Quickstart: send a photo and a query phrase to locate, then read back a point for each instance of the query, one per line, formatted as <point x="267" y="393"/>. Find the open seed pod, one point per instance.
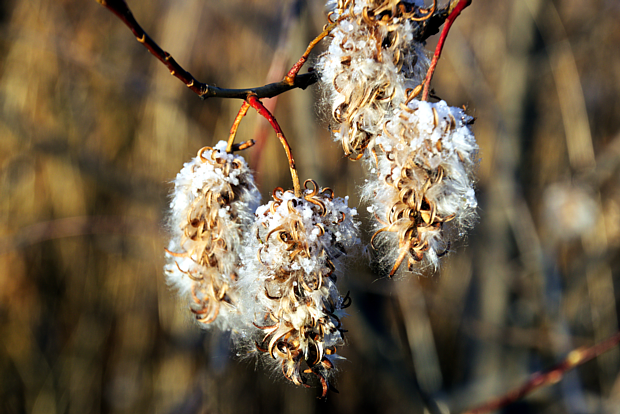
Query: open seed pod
<point x="371" y="63"/>
<point x="291" y="268"/>
<point x="421" y="184"/>
<point x="212" y="207"/>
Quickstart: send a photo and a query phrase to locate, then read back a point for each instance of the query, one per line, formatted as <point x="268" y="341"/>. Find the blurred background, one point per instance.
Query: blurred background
<point x="93" y="129"/>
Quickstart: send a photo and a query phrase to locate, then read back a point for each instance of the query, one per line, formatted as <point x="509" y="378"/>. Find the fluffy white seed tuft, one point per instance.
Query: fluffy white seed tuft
<point x="370" y="65"/>
<point x="291" y="268"/>
<point x="211" y="209"/>
<point x="422" y="191"/>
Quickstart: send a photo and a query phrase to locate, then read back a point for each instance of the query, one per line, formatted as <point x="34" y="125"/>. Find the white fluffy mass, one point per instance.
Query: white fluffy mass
<point x="423" y="181"/>
<point x="211" y="210"/>
<point x="366" y="72"/>
<point x="291" y="267"/>
<point x="420" y="155"/>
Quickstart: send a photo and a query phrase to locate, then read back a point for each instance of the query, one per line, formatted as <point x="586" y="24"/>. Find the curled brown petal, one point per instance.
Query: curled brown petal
<point x="205" y="319"/>
<point x="372" y="239"/>
<point x="327" y="193"/>
<point x="277" y="229"/>
<point x="319" y="203"/>
<point x="186" y="254"/>
<point x="315" y="188"/>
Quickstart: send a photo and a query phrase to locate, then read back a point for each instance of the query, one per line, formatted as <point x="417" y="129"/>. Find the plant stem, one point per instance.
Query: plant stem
<point x="122" y="11"/>
<point x="233" y="130"/>
<point x="260" y="108"/>
<point x="460" y="6"/>
<point x="291" y="81"/>
<point x="540" y="379"/>
<point x="292" y="74"/>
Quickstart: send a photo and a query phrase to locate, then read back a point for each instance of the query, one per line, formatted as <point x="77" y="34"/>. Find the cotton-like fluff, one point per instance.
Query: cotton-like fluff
<point x="290" y="274"/>
<point x="211" y="210"/>
<point x="422" y="188"/>
<point x="371" y="64"/>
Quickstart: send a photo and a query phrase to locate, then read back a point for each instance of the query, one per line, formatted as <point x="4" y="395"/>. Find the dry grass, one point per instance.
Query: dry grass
<point x="93" y="128"/>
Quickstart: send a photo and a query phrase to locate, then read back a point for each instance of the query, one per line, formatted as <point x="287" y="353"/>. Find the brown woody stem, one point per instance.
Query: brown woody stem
<point x="260" y="108"/>
<point x="122" y="11"/>
<point x="292" y="80"/>
<point x="552" y="376"/>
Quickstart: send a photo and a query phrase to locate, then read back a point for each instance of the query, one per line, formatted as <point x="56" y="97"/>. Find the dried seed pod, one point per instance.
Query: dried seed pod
<point x="423" y="186"/>
<point x="290" y="274"/>
<point x="369" y="66"/>
<point x="212" y="207"/>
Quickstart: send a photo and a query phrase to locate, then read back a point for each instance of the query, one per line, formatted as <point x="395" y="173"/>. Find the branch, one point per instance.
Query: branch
<point x="426" y="29"/>
<point x="430" y="27"/>
<point x="233" y="130"/>
<point x="292" y="74"/>
<point x="552" y="376"/>
<point x="260" y="108"/>
<point x="459" y="6"/>
<point x="122" y="11"/>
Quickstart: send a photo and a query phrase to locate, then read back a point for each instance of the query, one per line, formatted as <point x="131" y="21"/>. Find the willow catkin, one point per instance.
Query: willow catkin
<point x="368" y="68"/>
<point x="422" y="186"/>
<point x="290" y="274"/>
<point x="212" y="207"/>
<point x="420" y="155"/>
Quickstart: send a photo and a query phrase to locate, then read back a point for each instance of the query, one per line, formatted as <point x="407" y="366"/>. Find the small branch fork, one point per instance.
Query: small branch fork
<point x="260" y="108"/>
<point x="551" y="376"/>
<point x="291" y="81"/>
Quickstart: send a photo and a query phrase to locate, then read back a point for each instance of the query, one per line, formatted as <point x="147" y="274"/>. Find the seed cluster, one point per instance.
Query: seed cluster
<point x="276" y="292"/>
<point x="422" y="186"/>
<point x="299" y="246"/>
<point x="212" y="207"/>
<point x="370" y="65"/>
<point x="268" y="273"/>
<point x="420" y="156"/>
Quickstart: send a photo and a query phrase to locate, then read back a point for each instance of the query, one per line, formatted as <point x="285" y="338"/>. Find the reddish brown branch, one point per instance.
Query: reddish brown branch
<point x="291" y="81"/>
<point x="260" y="108"/>
<point x="551" y="376"/>
<point x="122" y="11"/>
<point x="460" y="6"/>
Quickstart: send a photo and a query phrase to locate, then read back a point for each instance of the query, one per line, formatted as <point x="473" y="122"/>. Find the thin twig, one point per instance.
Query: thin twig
<point x="292" y="74"/>
<point x="552" y="376"/>
<point x="233" y="129"/>
<point x="291" y="81"/>
<point x="277" y="71"/>
<point x="260" y="108"/>
<point x="122" y="11"/>
<point x="242" y="145"/>
<point x="460" y="6"/>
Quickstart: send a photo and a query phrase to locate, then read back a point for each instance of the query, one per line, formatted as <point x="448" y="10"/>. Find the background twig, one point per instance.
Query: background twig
<point x="551" y="376"/>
